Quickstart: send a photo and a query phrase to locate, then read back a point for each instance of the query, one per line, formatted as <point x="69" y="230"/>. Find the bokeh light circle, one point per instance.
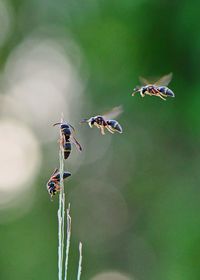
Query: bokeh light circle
<point x="111" y="276"/>
<point x="20" y="159"/>
<point x="40" y="83"/>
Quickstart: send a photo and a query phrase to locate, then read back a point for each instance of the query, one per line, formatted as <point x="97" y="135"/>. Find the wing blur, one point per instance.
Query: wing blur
<point x="144" y="81"/>
<point x="164" y="81"/>
<point x="114" y="113"/>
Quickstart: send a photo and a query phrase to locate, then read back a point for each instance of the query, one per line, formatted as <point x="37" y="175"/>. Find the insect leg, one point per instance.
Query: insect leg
<point x="102" y="130"/>
<point x="57" y="188"/>
<point x="109" y="129"/>
<point x="96" y="124"/>
<point x="159" y="95"/>
<point x="142" y="94"/>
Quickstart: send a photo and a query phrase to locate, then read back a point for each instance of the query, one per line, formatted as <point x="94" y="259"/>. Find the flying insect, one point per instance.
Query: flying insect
<point x="67" y="132"/>
<point x="159" y="88"/>
<point x="106" y="121"/>
<point x="53" y="185"/>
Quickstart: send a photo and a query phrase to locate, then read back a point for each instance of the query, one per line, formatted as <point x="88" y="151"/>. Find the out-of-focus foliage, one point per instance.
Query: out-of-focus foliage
<point x="134" y="197"/>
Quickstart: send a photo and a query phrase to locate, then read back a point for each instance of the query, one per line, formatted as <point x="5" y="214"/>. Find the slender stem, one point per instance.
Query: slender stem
<point x="63" y="229"/>
<point x="80" y="262"/>
<point x="68" y="240"/>
<point x="61" y="216"/>
<point x="59" y="242"/>
<point x="61" y="226"/>
<point x="61" y="219"/>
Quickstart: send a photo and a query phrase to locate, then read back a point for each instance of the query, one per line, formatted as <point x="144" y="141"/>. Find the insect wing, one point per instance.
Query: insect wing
<point x="164" y="81"/>
<point x="66" y="174"/>
<point x="114" y="113"/>
<point x="144" y="81"/>
<point x="54" y="172"/>
<point x="76" y="143"/>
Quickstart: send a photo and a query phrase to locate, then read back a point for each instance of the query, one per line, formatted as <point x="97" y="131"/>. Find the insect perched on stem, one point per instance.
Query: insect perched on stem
<point x="67" y="132"/>
<point x="53" y="185"/>
<point x="159" y="88"/>
<point x="106" y="121"/>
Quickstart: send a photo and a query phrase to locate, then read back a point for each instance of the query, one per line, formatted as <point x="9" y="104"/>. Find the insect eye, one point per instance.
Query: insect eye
<point x="51" y="184"/>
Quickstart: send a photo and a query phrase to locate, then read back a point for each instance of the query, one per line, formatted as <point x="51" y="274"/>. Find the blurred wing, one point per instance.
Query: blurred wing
<point x="77" y="144"/>
<point x="164" y="81"/>
<point x="114" y="113"/>
<point x="54" y="172"/>
<point x="143" y="81"/>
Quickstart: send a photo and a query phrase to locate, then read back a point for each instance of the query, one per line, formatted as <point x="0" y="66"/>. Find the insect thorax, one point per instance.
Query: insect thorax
<point x="99" y="120"/>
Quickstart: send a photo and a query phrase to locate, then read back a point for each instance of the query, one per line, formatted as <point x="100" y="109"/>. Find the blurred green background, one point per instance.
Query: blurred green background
<point x="134" y="197"/>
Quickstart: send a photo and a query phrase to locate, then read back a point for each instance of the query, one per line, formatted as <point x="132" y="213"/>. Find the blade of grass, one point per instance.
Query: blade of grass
<point x="80" y="262"/>
<point x="67" y="241"/>
<point x="61" y="218"/>
<point x="61" y="226"/>
<point x="61" y="214"/>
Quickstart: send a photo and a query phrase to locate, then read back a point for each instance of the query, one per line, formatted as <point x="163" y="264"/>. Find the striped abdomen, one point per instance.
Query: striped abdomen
<point x="67" y="148"/>
<point x="115" y="125"/>
<point x="166" y="91"/>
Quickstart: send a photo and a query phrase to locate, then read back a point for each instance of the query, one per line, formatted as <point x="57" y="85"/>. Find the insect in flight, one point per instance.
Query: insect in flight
<point x="53" y="185"/>
<point x="159" y="88"/>
<point x="106" y="121"/>
<point x="67" y="132"/>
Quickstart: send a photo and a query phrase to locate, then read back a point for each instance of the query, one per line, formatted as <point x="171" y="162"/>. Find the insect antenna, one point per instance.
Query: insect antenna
<point x="57" y="123"/>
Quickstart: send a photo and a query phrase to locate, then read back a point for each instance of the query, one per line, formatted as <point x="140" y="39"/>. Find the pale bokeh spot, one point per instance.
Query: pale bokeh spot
<point x="111" y="276"/>
<point x="41" y="82"/>
<point x="20" y="159"/>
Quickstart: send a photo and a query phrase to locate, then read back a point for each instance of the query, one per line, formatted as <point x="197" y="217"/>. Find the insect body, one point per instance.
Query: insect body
<point x="53" y="185"/>
<point x="106" y="121"/>
<point x="158" y="88"/>
<point x="67" y="137"/>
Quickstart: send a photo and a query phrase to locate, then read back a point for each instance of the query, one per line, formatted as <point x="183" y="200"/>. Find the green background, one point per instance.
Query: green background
<point x="134" y="197"/>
